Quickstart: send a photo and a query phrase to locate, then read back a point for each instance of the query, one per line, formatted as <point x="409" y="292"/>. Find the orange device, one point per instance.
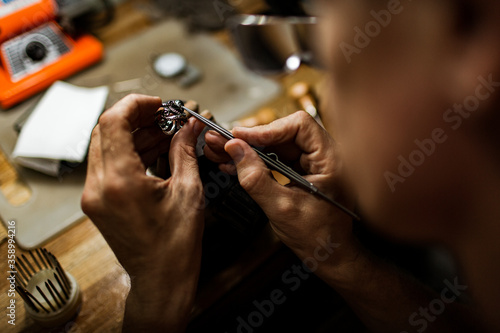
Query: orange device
<point x="35" y="51"/>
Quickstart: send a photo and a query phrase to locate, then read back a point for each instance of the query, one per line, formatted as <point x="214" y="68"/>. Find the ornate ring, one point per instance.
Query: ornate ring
<point x="171" y="117"/>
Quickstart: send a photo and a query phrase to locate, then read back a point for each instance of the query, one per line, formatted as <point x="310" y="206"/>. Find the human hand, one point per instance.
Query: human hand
<point x="154" y="226"/>
<point x="301" y="220"/>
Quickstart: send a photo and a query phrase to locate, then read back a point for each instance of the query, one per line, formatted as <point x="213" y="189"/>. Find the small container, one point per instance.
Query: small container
<point x="51" y="296"/>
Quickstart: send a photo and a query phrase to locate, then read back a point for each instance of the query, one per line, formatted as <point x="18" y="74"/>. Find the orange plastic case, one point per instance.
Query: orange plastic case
<point x="17" y="16"/>
<point x="78" y="53"/>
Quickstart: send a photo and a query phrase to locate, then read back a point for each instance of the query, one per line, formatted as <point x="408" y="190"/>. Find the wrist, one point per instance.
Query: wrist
<point x="345" y="268"/>
<point x="157" y="304"/>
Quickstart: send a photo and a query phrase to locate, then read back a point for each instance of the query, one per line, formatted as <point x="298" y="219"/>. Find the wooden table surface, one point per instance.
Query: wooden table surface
<point x="84" y="253"/>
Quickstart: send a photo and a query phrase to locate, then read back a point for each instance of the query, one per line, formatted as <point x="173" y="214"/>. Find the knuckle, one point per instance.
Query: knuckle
<point x="107" y="118"/>
<point x="302" y="116"/>
<point x="284" y="208"/>
<point x="131" y="99"/>
<point x="188" y="185"/>
<point x="194" y="187"/>
<point x="190" y="190"/>
<point x="90" y="203"/>
<point x="113" y="191"/>
<point x="253" y="180"/>
<point x="268" y="135"/>
<point x="95" y="133"/>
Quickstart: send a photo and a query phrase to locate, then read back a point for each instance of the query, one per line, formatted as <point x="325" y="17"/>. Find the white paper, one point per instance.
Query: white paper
<point x="60" y="126"/>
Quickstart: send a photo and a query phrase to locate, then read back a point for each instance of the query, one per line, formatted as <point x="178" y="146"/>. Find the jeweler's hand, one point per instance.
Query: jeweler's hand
<point x="301" y="220"/>
<point x="154" y="226"/>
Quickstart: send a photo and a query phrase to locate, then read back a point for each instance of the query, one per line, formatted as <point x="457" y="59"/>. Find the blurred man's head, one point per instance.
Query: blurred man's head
<point x="414" y="98"/>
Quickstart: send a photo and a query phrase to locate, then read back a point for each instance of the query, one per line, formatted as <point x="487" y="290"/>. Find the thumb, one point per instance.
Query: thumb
<point x="253" y="175"/>
<point x="182" y="157"/>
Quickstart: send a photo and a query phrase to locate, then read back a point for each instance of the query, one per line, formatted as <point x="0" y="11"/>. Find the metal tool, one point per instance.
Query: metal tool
<point x="51" y="295"/>
<point x="270" y="159"/>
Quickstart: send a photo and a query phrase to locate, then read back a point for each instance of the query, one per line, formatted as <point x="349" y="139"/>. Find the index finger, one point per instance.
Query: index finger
<point x="299" y="130"/>
<point x="116" y="126"/>
<point x="138" y="110"/>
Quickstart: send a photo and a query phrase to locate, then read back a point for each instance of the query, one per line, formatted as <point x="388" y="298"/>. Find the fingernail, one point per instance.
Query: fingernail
<point x="237" y="129"/>
<point x="235" y="151"/>
<point x="213" y="133"/>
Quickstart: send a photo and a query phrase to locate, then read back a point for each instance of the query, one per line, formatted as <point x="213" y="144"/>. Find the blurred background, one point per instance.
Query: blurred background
<point x="248" y="62"/>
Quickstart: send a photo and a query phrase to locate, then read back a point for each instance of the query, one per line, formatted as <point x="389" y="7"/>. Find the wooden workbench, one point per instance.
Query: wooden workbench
<point x="84" y="253"/>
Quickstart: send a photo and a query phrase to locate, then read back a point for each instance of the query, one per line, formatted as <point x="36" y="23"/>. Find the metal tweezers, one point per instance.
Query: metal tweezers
<point x="272" y="162"/>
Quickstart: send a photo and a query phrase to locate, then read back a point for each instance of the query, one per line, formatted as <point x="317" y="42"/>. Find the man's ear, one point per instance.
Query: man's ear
<point x="476" y="51"/>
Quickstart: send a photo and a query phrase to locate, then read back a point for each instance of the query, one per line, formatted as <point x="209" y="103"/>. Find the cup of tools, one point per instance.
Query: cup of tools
<point x="51" y="296"/>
